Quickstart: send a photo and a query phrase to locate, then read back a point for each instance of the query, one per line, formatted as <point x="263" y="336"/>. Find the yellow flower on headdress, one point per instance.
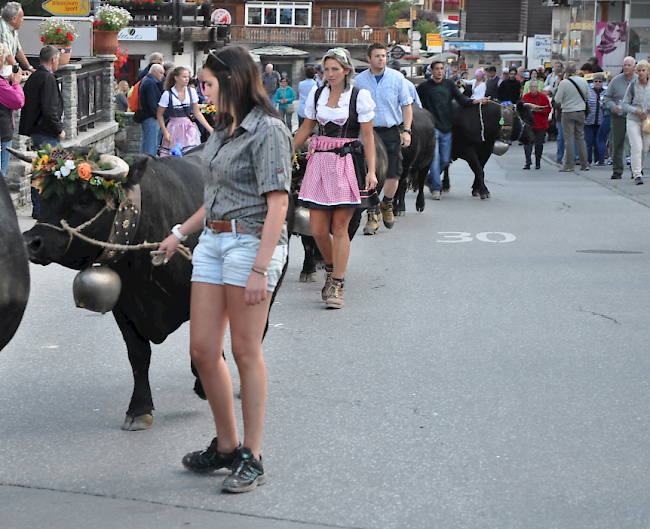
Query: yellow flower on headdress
<point x="44" y="160"/>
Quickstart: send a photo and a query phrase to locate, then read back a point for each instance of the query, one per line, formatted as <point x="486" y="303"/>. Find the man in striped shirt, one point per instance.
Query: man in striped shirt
<point x="12" y="19"/>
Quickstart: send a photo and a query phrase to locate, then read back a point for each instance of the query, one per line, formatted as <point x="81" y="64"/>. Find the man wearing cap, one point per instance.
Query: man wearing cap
<point x="613" y="97"/>
<point x="594" y="120"/>
<point x="571" y="95"/>
<point x="319" y="76"/>
<point x="390" y="93"/>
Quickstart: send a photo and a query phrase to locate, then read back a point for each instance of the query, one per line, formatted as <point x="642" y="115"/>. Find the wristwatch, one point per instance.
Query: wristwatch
<point x="177" y="232"/>
<point x="408" y="130"/>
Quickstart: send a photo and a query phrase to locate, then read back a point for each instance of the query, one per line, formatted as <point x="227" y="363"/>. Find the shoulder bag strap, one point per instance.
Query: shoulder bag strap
<point x="577" y="88"/>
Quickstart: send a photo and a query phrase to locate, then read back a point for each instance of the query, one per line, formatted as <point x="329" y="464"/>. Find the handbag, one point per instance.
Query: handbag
<point x="140" y="115"/>
<point x="289" y="108"/>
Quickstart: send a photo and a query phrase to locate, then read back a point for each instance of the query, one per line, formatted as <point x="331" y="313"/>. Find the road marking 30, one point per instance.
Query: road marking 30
<point x="486" y="236"/>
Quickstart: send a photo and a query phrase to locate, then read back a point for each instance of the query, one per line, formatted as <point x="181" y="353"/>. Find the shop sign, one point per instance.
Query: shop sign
<point x="475" y="46"/>
<point x="434" y="43"/>
<point x="138" y="34"/>
<point x="70" y="8"/>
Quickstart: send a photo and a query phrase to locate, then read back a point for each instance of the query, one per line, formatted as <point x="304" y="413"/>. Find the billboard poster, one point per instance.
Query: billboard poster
<point x="610" y="45"/>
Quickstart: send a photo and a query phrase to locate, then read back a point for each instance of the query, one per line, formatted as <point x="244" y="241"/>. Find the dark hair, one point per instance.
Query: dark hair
<point x="240" y="86"/>
<point x="47" y="54"/>
<point x="171" y="78"/>
<point x="310" y="72"/>
<point x="433" y="63"/>
<point x="284" y="78"/>
<point x="375" y="46"/>
<point x="491" y="69"/>
<point x="587" y="67"/>
<point x="512" y="70"/>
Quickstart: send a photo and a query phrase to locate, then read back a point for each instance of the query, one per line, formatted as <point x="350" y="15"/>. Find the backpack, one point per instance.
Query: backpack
<point x="134" y="97"/>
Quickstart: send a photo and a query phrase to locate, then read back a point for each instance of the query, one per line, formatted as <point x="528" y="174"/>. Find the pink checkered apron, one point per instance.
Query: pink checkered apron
<point x="330" y="179"/>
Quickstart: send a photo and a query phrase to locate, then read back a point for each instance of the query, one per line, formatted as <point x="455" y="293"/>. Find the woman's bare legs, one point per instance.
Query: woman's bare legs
<point x="334" y="247"/>
<point x="208" y="321"/>
<point x="247" y="329"/>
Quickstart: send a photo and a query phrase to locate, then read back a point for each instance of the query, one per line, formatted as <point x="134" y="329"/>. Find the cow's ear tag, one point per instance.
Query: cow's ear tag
<point x="501" y="122"/>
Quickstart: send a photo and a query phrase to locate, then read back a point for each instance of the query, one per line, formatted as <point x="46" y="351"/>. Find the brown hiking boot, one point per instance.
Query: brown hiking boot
<point x="328" y="285"/>
<point x="387" y="214"/>
<point x="335" y="298"/>
<point x="372" y="226"/>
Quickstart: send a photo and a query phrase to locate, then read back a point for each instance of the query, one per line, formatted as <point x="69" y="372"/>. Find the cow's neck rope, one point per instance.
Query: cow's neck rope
<point x="480" y="112"/>
<point x="76" y="232"/>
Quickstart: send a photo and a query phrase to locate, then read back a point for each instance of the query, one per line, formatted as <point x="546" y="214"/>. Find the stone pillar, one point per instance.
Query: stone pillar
<point x="68" y="77"/>
<point x="108" y="80"/>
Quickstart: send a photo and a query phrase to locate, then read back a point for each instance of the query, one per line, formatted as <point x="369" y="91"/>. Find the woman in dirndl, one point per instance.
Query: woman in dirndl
<point x="336" y="181"/>
<point x="181" y="101"/>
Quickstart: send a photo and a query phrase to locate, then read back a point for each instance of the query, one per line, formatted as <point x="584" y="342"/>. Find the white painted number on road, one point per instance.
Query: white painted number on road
<point x="486" y="236"/>
<point x="459" y="236"/>
<point x="507" y="237"/>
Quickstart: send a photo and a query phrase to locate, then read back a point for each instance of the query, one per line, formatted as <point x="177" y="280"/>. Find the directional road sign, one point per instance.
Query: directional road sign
<point x="70" y="8"/>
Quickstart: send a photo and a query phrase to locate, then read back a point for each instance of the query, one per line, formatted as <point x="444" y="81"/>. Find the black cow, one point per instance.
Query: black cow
<point x="154" y="300"/>
<point x="14" y="269"/>
<point x="313" y="258"/>
<point x="469" y="130"/>
<point x="416" y="158"/>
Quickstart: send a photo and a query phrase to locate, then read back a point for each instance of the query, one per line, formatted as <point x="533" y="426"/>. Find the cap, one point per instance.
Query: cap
<point x="319" y="68"/>
<point x="593" y="59"/>
<point x="599" y="77"/>
<point x="478" y="72"/>
<point x="394" y="64"/>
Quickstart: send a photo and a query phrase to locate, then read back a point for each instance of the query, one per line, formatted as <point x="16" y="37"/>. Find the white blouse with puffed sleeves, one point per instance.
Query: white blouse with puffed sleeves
<point x="339" y="115"/>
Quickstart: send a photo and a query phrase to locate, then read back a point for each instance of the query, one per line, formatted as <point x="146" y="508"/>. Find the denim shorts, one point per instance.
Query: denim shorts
<point x="227" y="258"/>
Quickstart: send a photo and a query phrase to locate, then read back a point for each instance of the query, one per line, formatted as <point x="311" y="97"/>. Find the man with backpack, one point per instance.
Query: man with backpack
<point x="150" y="91"/>
<point x="572" y="95"/>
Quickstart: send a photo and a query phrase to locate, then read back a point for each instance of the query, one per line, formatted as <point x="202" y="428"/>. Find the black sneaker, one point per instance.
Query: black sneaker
<point x="247" y="473"/>
<point x="210" y="459"/>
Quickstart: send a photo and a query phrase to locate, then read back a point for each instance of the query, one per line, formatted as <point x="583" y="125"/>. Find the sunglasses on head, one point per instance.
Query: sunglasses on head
<point x="340" y="53"/>
<point x="214" y="54"/>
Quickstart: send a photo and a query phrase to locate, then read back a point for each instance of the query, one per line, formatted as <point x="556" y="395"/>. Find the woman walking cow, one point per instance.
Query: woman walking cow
<point x="335" y="181"/>
<point x="239" y="258"/>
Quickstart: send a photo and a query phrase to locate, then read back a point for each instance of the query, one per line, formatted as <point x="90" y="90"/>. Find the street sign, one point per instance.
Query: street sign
<point x="434" y="43"/>
<point x="402" y="24"/>
<point x="70" y="8"/>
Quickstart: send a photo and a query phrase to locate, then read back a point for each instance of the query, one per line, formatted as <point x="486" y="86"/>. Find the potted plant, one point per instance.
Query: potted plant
<point x="109" y="20"/>
<point x="59" y="33"/>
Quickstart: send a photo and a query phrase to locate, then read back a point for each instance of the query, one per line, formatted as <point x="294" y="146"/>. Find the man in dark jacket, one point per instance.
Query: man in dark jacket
<point x="155" y="58"/>
<point x="492" y="83"/>
<point x="510" y="89"/>
<point x="40" y="118"/>
<point x="150" y="91"/>
<point x="437" y="95"/>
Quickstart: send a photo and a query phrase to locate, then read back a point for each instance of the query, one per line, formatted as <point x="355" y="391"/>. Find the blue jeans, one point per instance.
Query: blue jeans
<point x="4" y="157"/>
<point x="37" y="141"/>
<point x="441" y="157"/>
<point x="591" y="135"/>
<point x="602" y="137"/>
<point x="151" y="136"/>
<point x="560" y="143"/>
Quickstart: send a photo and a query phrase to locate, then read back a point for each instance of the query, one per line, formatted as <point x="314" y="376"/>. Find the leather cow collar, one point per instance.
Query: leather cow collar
<point x="124" y="225"/>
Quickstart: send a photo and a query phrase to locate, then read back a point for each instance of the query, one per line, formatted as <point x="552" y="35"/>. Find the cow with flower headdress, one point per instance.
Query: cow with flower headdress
<point x="98" y="214"/>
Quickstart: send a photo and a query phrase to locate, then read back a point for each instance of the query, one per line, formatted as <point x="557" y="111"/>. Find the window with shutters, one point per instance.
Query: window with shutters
<point x="339" y="18"/>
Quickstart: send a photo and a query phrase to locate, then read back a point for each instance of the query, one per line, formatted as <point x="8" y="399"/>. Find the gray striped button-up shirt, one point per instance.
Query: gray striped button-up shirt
<point x="240" y="169"/>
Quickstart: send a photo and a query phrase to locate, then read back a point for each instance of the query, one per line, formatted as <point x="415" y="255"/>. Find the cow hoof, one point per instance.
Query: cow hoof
<point x="308" y="277"/>
<point x="474" y="193"/>
<point x="488" y="195"/>
<point x="419" y="203"/>
<point x="400" y="213"/>
<point x="141" y="422"/>
<point x="369" y="230"/>
<point x="484" y="196"/>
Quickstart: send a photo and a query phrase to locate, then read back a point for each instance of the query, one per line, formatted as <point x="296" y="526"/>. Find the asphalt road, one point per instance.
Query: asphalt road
<point x="490" y="369"/>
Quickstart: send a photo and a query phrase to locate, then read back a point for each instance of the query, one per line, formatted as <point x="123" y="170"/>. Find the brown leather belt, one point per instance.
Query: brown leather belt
<point x="221" y="226"/>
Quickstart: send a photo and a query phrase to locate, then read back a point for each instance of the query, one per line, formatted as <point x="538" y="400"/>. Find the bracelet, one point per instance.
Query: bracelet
<point x="260" y="267"/>
<point x="177" y="232"/>
<point x="265" y="274"/>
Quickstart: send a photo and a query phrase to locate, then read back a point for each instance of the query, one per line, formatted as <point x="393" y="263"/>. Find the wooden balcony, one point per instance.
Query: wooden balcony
<point x="177" y="14"/>
<point x="313" y="36"/>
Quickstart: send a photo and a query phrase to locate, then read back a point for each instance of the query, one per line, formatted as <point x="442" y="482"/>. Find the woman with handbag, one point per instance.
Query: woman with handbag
<point x="336" y="181"/>
<point x="182" y="102"/>
<point x="284" y="98"/>
<point x="636" y="104"/>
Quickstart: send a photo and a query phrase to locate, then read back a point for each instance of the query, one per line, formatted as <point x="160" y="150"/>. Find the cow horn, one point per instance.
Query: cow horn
<point x="25" y="157"/>
<point x="118" y="167"/>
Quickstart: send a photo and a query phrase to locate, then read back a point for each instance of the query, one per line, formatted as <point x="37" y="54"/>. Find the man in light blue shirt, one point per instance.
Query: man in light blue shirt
<point x="395" y="65"/>
<point x="390" y="93"/>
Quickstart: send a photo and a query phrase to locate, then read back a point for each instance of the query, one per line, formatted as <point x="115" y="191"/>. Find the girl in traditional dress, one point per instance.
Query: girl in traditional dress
<point x="336" y="181"/>
<point x="181" y="101"/>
